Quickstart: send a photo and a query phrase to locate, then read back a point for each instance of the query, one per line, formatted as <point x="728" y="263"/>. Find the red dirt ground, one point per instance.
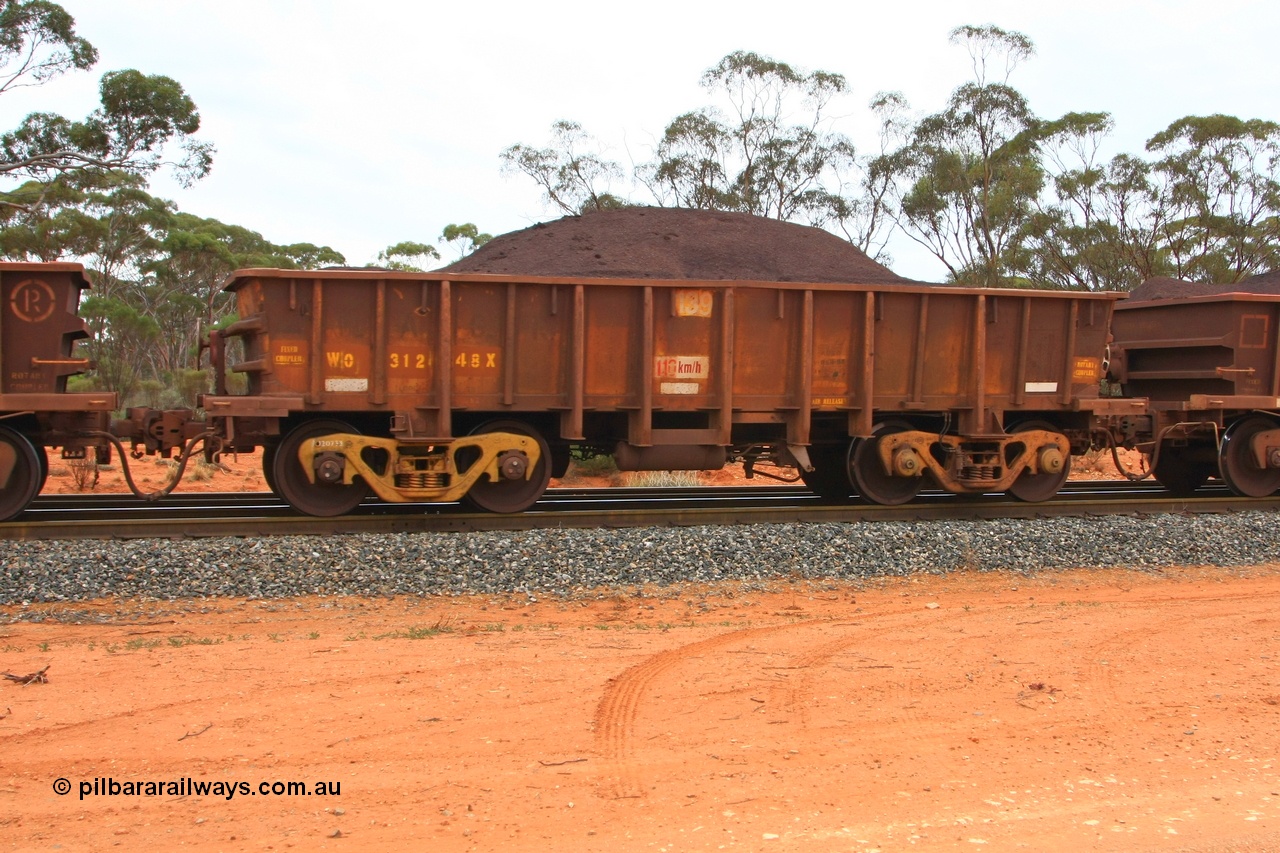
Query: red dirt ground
<point x="1065" y="711"/>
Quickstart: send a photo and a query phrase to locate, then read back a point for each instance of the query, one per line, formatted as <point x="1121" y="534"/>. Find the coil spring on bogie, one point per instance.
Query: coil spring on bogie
<point x="978" y="473"/>
<point x="421" y="480"/>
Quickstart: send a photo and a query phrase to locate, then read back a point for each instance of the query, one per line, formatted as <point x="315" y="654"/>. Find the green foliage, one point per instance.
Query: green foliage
<point x="151" y="390"/>
<point x="185" y="275"/>
<point x="159" y="275"/>
<point x="969" y="175"/>
<point x="188" y="384"/>
<point x="1079" y="237"/>
<point x="774" y="155"/>
<point x="571" y="179"/>
<point x="464" y="238"/>
<point x="988" y="43"/>
<point x="119" y="331"/>
<point x="1207" y="208"/>
<point x="40" y="38"/>
<point x="1001" y="196"/>
<point x="111" y="223"/>
<point x="306" y="256"/>
<point x="138" y="116"/>
<point x="766" y="148"/>
<point x="1220" y="190"/>
<point x="83" y="382"/>
<point x="408" y="256"/>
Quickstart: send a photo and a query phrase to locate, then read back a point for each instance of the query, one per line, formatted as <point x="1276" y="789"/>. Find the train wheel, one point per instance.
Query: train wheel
<point x="18" y="456"/>
<point x="1178" y="474"/>
<point x="43" y="456"/>
<point x="516" y="494"/>
<point x="868" y="474"/>
<point x="268" y="467"/>
<point x="290" y="481"/>
<point x="1236" y="463"/>
<point x="1034" y="488"/>
<point x="830" y="475"/>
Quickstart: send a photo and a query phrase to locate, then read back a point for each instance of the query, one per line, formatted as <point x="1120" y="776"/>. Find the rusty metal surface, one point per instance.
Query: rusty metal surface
<point x="669" y="362"/>
<point x="39" y="326"/>
<point x="97" y="401"/>
<point x="1200" y="353"/>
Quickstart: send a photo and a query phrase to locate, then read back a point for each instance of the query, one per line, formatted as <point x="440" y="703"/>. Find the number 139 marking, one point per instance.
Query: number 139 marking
<point x="694" y="303"/>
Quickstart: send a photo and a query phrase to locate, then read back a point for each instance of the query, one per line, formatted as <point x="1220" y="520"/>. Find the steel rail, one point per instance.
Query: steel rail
<point x="262" y="514"/>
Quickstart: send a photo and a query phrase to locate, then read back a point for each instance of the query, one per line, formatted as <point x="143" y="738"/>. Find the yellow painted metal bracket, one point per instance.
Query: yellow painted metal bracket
<point x="435" y="464"/>
<point x="909" y="454"/>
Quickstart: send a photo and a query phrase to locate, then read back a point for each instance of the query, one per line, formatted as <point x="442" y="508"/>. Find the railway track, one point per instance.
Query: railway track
<point x="263" y="514"/>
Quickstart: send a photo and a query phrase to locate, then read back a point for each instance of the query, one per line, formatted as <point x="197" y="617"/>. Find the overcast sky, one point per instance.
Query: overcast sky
<point x="359" y="125"/>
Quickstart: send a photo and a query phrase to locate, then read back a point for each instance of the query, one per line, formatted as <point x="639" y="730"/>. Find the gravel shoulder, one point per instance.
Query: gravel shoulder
<point x="573" y="563"/>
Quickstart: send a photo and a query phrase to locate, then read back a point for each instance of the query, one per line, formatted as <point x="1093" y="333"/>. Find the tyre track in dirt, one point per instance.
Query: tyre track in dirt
<point x="1126" y="647"/>
<point x="615" y="716"/>
<point x="813" y="662"/>
<point x="619" y="706"/>
<point x="624" y="696"/>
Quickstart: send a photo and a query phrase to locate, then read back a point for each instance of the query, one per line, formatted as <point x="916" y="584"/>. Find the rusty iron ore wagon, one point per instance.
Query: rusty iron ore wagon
<point x="38" y="329"/>
<point x="1210" y="366"/>
<point x="441" y="386"/>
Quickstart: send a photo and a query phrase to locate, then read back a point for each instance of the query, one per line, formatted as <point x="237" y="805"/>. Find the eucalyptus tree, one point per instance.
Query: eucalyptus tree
<point x="128" y="226"/>
<point x="409" y="256"/>
<point x="121" y="335"/>
<point x="53" y="228"/>
<point x="1075" y="236"/>
<point x="771" y="151"/>
<point x="968" y="176"/>
<point x="464" y="238"/>
<point x="114" y="228"/>
<point x="766" y="146"/>
<point x="1204" y="205"/>
<point x="1219" y="178"/>
<point x="138" y="117"/>
<point x="183" y="288"/>
<point x="573" y="177"/>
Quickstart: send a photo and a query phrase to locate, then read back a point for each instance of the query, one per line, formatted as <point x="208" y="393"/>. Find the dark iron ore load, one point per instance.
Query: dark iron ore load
<point x="677" y="243"/>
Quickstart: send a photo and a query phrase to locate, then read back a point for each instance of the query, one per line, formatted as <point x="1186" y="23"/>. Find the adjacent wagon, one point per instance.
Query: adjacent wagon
<point x="1210" y="366"/>
<point x="38" y="330"/>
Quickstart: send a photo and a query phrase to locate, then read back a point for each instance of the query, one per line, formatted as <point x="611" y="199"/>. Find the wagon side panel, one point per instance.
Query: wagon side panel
<point x="839" y="361"/>
<point x="771" y="334"/>
<point x="1220" y="347"/>
<point x="690" y="360"/>
<point x="39" y="327"/>
<point x="614" y="345"/>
